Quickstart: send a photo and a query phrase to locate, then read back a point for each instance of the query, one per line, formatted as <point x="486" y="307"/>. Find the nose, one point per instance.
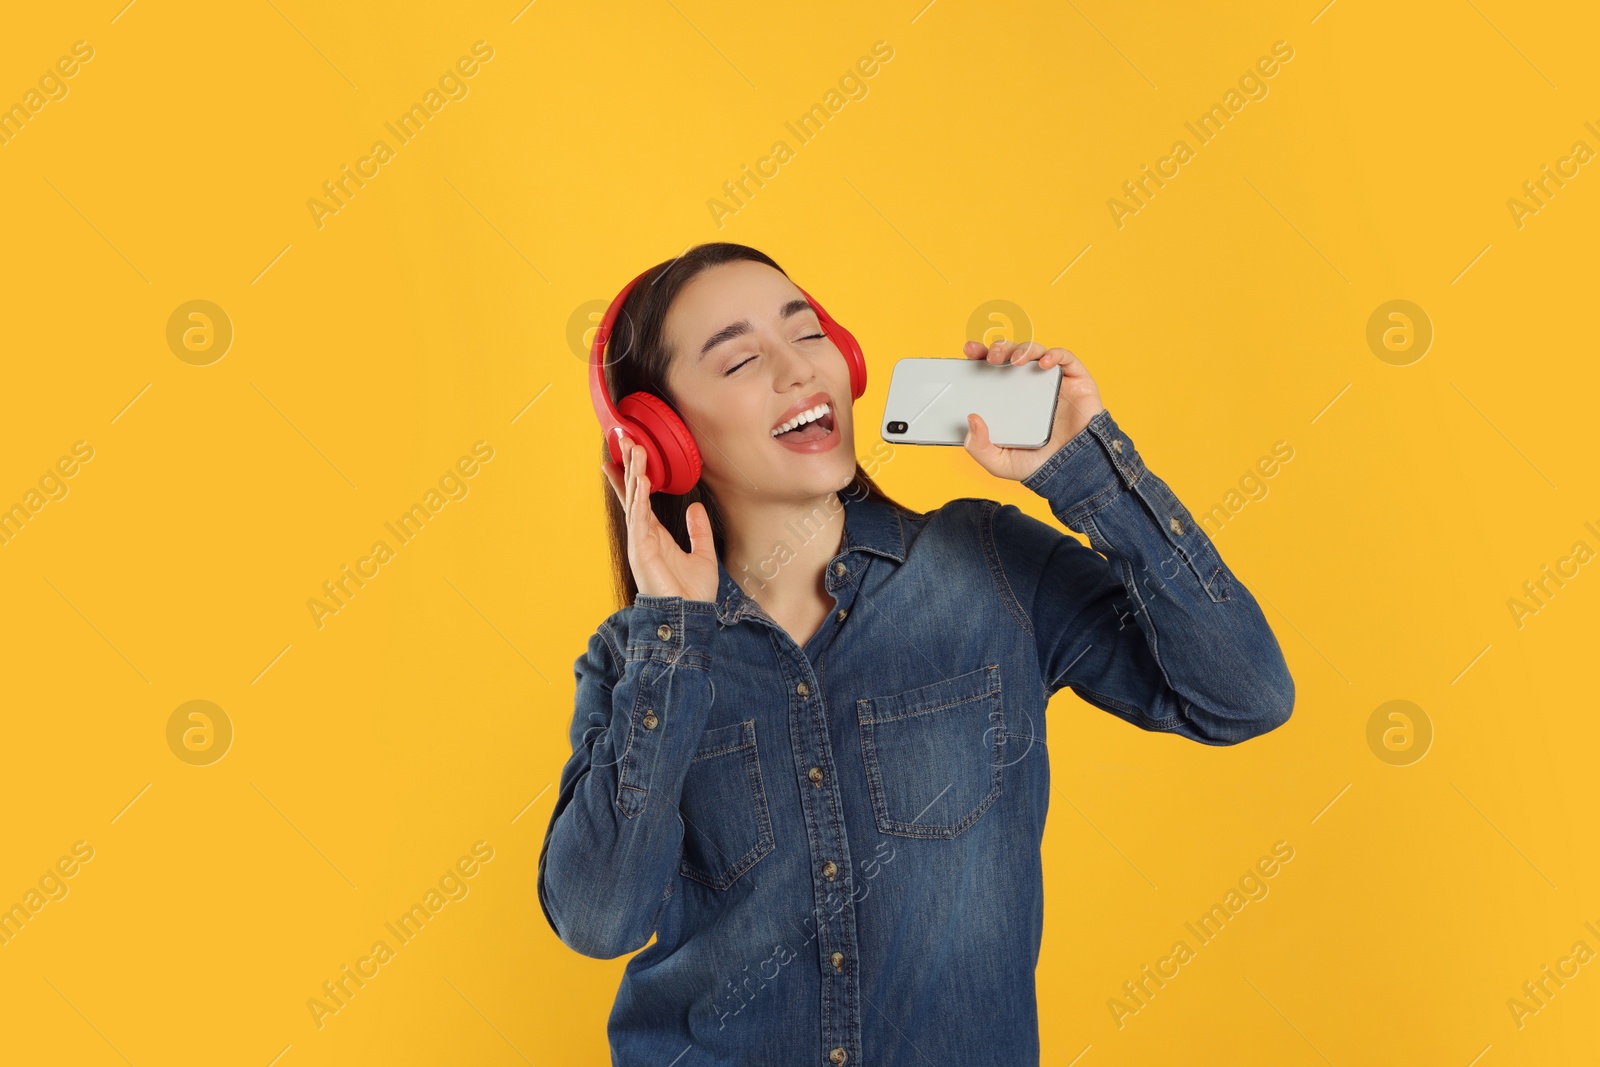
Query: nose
<point x="792" y="367"/>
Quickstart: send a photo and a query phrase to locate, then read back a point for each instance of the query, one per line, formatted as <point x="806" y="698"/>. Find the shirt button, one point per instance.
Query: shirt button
<point x="842" y="612"/>
<point x="836" y="1056"/>
<point x="814" y="774"/>
<point x="803" y="689"/>
<point x="1177" y="527"/>
<point x="837" y="959"/>
<point x="839" y="568"/>
<point x="650" y="720"/>
<point x="664" y="632"/>
<point x="830" y="869"/>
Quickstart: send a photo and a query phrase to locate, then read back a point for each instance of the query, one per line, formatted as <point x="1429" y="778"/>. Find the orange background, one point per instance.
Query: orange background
<point x="444" y="304"/>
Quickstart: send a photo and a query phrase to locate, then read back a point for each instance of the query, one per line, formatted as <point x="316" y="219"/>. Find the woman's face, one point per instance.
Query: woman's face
<point x="748" y="353"/>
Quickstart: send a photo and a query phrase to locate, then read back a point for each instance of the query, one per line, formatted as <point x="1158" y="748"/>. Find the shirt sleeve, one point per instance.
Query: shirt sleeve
<point x="1149" y="623"/>
<point x="612" y="849"/>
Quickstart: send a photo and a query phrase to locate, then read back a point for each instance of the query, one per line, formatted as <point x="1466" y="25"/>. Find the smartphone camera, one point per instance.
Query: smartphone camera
<point x="897" y="427"/>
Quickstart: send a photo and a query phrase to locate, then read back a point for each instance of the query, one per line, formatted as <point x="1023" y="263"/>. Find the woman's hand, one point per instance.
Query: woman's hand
<point x="660" y="567"/>
<point x="1079" y="402"/>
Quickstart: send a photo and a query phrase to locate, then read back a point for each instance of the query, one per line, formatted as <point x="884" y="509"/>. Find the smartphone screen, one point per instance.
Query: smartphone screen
<point x="929" y="400"/>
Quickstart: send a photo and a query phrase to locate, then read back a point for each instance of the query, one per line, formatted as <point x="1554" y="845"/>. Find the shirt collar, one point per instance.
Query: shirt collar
<point x="870" y="525"/>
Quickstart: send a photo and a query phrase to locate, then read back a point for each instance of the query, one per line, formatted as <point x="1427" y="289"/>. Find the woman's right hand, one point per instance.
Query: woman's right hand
<point x="660" y="567"/>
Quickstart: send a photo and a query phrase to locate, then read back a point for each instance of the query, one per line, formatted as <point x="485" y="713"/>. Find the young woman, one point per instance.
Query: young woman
<point x="809" y="749"/>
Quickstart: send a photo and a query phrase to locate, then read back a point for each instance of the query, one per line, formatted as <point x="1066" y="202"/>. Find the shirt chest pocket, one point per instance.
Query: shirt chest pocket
<point x="726" y="825"/>
<point x="934" y="754"/>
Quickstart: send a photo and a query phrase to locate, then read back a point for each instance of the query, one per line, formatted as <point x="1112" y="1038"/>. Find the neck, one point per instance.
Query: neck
<point x="777" y="550"/>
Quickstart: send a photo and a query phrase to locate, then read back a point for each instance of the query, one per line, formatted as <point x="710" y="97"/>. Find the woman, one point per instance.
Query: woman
<point x="809" y="750"/>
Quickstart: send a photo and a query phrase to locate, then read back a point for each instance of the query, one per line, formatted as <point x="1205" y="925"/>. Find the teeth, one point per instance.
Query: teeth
<point x="804" y="417"/>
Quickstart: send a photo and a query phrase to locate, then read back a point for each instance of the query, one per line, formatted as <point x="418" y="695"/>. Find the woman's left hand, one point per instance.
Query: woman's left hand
<point x="1079" y="402"/>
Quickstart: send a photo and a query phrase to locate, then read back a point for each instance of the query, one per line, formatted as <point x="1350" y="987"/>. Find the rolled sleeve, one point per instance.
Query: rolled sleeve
<point x="673" y="630"/>
<point x="1088" y="471"/>
<point x="611" y="850"/>
<point x="1149" y="623"/>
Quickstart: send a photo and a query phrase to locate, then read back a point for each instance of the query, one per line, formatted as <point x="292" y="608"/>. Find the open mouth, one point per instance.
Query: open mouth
<point x="813" y="424"/>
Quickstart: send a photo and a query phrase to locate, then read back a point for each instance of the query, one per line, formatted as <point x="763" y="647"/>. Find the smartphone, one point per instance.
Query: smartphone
<point x="929" y="400"/>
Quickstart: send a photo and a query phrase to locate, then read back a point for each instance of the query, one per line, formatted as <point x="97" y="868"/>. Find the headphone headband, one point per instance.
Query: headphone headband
<point x="610" y="418"/>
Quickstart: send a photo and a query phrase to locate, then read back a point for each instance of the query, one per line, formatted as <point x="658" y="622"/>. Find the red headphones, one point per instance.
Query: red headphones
<point x="672" y="460"/>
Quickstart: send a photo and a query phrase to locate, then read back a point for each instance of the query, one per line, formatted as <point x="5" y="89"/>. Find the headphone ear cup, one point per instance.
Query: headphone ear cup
<point x="672" y="459"/>
<point x="847" y="345"/>
<point x="845" y="341"/>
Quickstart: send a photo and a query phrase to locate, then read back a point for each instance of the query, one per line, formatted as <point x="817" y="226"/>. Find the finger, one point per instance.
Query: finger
<point x="1054" y="356"/>
<point x="607" y="469"/>
<point x="691" y="523"/>
<point x="1026" y="351"/>
<point x="699" y="524"/>
<point x="974" y="350"/>
<point x="631" y="470"/>
<point x="641" y="494"/>
<point x="1008" y="351"/>
<point x="977" y="442"/>
<point x="640" y="464"/>
<point x="1000" y="351"/>
<point x="1073" y="367"/>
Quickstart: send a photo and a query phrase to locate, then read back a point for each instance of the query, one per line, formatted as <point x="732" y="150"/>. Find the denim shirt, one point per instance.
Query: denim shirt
<point x="837" y="847"/>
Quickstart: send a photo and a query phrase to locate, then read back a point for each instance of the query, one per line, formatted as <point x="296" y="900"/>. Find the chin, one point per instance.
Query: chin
<point x="822" y="478"/>
<point x="814" y="474"/>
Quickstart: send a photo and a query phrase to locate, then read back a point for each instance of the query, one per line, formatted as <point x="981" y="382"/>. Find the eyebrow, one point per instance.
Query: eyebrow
<point x="732" y="330"/>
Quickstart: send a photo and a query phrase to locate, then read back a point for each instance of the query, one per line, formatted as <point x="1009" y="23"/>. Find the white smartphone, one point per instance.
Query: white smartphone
<point x="929" y="400"/>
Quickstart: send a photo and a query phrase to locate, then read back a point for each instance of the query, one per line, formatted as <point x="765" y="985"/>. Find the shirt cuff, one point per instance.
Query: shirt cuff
<point x="1089" y="471"/>
<point x="672" y="629"/>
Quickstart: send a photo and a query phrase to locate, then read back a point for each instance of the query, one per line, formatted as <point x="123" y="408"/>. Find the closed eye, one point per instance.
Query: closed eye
<point x="742" y="362"/>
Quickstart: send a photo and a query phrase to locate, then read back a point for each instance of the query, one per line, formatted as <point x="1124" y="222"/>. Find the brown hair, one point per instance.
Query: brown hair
<point x="636" y="360"/>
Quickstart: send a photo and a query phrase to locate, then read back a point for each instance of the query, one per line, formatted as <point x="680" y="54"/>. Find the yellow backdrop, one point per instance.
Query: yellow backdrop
<point x="286" y="280"/>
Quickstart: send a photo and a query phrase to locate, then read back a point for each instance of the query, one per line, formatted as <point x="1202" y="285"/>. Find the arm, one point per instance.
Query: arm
<point x="1159" y="631"/>
<point x="614" y="842"/>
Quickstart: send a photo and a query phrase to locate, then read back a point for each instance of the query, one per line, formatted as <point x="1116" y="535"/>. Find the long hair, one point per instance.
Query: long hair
<point x="636" y="360"/>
